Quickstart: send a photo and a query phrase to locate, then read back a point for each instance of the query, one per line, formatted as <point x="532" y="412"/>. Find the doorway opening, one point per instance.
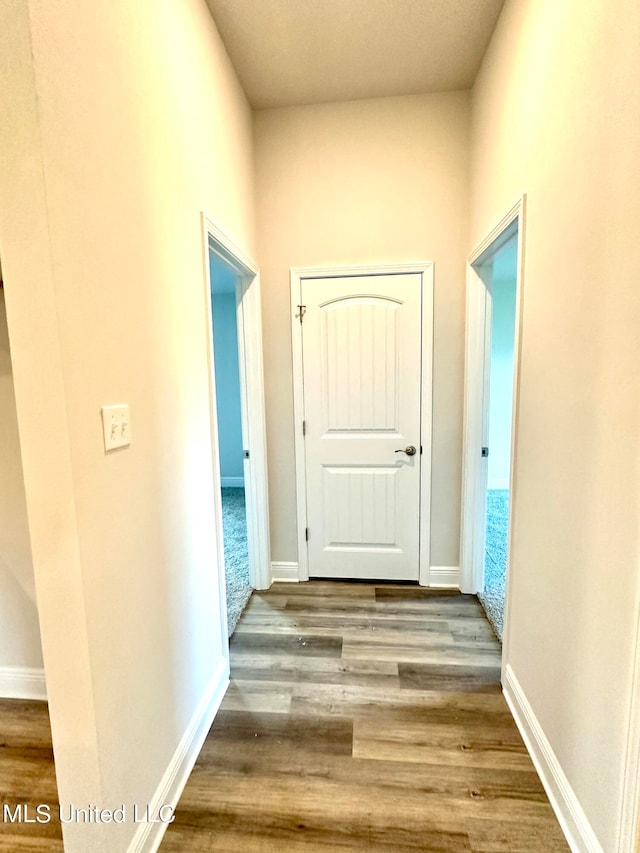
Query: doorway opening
<point x="24" y="712"/>
<point x="237" y="422"/>
<point x="231" y="449"/>
<point x="491" y="386"/>
<point x="499" y="274"/>
<point x="21" y="662"/>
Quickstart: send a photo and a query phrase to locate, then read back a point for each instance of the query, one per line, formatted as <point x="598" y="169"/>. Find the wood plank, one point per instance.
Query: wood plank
<point x="453" y="654"/>
<point x="259" y="601"/>
<point x="24" y="722"/>
<point x="357" y="701"/>
<point x="332" y="626"/>
<point x="329" y="589"/>
<point x="307" y="645"/>
<point x="27" y="772"/>
<point x="10" y="841"/>
<point x="27" y="775"/>
<point x="510" y="837"/>
<point x="438" y="742"/>
<point x="296" y="668"/>
<point x="419" y="608"/>
<point x="386" y="592"/>
<point x="225" y="834"/>
<point x="417" y="676"/>
<point x="257" y="696"/>
<point x="330" y="736"/>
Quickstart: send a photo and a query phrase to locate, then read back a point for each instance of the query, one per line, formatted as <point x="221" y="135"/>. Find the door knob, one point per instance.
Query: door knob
<point x="409" y="450"/>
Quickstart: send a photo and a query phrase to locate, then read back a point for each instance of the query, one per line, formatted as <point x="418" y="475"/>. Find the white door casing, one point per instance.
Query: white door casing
<point x="474" y="471"/>
<point x="253" y="415"/>
<point x="360" y="357"/>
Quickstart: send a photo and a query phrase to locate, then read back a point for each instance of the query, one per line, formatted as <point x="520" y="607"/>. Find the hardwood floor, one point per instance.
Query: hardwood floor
<point x="363" y="717"/>
<point x="27" y="775"/>
<point x="359" y="717"/>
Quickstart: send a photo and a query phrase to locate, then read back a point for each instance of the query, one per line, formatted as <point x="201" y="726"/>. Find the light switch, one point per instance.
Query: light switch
<point x="116" y="425"/>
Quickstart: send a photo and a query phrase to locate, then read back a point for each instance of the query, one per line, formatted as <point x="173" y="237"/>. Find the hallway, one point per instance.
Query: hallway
<point x="363" y="717"/>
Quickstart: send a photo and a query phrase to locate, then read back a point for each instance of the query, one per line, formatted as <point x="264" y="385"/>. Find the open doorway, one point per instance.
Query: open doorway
<point x="238" y="430"/>
<point x="499" y="274"/>
<point x="230" y="436"/>
<point x="21" y="664"/>
<point x="24" y="714"/>
<point x="492" y="345"/>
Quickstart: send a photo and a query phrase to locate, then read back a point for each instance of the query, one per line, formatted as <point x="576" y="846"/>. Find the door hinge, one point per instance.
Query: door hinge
<point x="304" y="427"/>
<point x="420" y="450"/>
<point x="301" y="312"/>
<point x="245" y="453"/>
<point x="485" y="451"/>
<point x="306" y="534"/>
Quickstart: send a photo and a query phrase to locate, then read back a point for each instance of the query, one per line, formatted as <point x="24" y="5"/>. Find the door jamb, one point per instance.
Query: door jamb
<point x="474" y="472"/>
<point x="253" y="407"/>
<point x="297" y="275"/>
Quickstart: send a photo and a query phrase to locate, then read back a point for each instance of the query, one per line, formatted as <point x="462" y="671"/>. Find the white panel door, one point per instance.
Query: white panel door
<point x="361" y="343"/>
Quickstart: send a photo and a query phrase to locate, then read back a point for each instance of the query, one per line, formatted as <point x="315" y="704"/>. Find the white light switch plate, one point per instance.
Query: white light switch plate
<point x="116" y="425"/>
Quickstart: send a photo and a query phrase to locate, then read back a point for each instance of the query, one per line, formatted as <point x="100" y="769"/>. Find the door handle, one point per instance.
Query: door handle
<point x="409" y="450"/>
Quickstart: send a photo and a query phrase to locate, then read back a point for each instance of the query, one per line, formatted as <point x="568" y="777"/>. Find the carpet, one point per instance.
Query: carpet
<point x="495" y="563"/>
<point x="236" y="554"/>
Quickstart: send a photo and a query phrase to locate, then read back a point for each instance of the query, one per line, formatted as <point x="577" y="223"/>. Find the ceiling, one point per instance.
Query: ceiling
<point x="288" y="52"/>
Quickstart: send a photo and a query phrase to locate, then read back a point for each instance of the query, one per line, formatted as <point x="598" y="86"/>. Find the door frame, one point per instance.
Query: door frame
<point x="297" y="276"/>
<point x="249" y="321"/>
<point x="476" y="405"/>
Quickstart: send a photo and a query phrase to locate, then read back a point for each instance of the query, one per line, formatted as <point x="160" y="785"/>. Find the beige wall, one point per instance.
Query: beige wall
<point x="121" y="121"/>
<point x="556" y="113"/>
<point x="371" y="181"/>
<point x="19" y="629"/>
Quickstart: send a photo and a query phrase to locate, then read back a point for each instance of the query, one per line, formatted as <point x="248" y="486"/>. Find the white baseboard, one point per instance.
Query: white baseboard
<point x="232" y="482"/>
<point x="285" y="572"/>
<point x="22" y="682"/>
<point x="149" y="835"/>
<point x="498" y="483"/>
<point x="575" y="825"/>
<point x="444" y="577"/>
